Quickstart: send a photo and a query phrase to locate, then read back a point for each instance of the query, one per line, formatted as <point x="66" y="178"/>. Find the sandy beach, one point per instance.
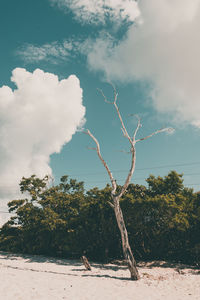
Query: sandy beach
<point x="24" y="277"/>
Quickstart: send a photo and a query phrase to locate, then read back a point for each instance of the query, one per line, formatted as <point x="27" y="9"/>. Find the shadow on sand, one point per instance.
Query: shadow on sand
<point x="40" y="259"/>
<point x="77" y="266"/>
<point x="166" y="264"/>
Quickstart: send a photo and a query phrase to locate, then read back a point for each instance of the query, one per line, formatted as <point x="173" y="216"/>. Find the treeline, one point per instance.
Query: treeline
<point x="163" y="220"/>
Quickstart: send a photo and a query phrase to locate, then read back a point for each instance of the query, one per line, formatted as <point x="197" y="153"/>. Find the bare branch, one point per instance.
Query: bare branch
<point x="139" y="125"/>
<point x="137" y="128"/>
<point x="115" y="91"/>
<point x="85" y="131"/>
<point x="130" y="173"/>
<point x="114" y="102"/>
<point x="114" y="186"/>
<point x="105" y="98"/>
<point x="124" y="133"/>
<point x="112" y="205"/>
<point x="167" y="129"/>
<point x="92" y="148"/>
<point x="115" y="94"/>
<point x="124" y="151"/>
<point x="122" y="123"/>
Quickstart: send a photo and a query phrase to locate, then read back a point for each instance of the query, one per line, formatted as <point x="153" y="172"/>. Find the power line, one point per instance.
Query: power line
<point x="140" y="169"/>
<point x="120" y="171"/>
<point x="137" y="178"/>
<point x="105" y="180"/>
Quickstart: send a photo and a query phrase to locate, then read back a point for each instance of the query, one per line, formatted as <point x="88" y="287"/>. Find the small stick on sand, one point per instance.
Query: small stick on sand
<point x="86" y="263"/>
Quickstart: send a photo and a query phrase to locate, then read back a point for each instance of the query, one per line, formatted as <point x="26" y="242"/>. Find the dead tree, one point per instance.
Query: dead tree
<point x="116" y="196"/>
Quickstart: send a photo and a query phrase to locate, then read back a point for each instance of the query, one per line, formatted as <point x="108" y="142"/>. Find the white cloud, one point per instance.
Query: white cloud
<point x="47" y="52"/>
<point x="162" y="49"/>
<point x="96" y="11"/>
<point x="36" y="120"/>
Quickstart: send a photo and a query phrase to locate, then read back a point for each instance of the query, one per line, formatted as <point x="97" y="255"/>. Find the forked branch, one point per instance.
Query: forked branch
<point x="114" y="102"/>
<point x="114" y="186"/>
<point x="139" y="125"/>
<point x="130" y="173"/>
<point x="132" y="142"/>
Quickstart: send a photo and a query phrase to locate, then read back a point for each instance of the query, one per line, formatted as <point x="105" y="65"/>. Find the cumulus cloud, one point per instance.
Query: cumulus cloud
<point x="36" y="120"/>
<point x="163" y="48"/>
<point x="96" y="11"/>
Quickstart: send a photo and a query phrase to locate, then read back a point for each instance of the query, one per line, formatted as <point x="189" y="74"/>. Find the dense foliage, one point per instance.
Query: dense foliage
<point x="163" y="220"/>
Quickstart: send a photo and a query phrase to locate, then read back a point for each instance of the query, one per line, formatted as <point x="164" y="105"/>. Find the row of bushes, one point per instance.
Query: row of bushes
<point x="163" y="220"/>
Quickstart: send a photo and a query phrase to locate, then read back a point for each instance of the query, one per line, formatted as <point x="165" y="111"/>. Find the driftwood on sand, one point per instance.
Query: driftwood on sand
<point x="86" y="263"/>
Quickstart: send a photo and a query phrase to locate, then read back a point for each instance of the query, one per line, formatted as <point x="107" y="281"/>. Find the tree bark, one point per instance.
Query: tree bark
<point x="125" y="241"/>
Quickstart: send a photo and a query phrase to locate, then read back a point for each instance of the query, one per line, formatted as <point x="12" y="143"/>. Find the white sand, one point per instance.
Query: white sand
<point x="37" y="277"/>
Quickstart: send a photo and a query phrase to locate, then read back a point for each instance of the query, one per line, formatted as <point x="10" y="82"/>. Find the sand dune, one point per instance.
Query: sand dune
<point x="35" y="277"/>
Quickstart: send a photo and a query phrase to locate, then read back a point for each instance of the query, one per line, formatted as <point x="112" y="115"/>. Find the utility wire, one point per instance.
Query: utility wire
<point x="10" y="187"/>
<point x="140" y="169"/>
<point x="137" y="178"/>
<point x="118" y="180"/>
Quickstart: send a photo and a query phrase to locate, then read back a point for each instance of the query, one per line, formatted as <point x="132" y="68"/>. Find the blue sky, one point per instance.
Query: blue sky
<point x="150" y="52"/>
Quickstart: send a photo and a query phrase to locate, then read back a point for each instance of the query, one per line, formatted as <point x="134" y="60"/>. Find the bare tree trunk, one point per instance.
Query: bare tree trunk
<point x="125" y="242"/>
